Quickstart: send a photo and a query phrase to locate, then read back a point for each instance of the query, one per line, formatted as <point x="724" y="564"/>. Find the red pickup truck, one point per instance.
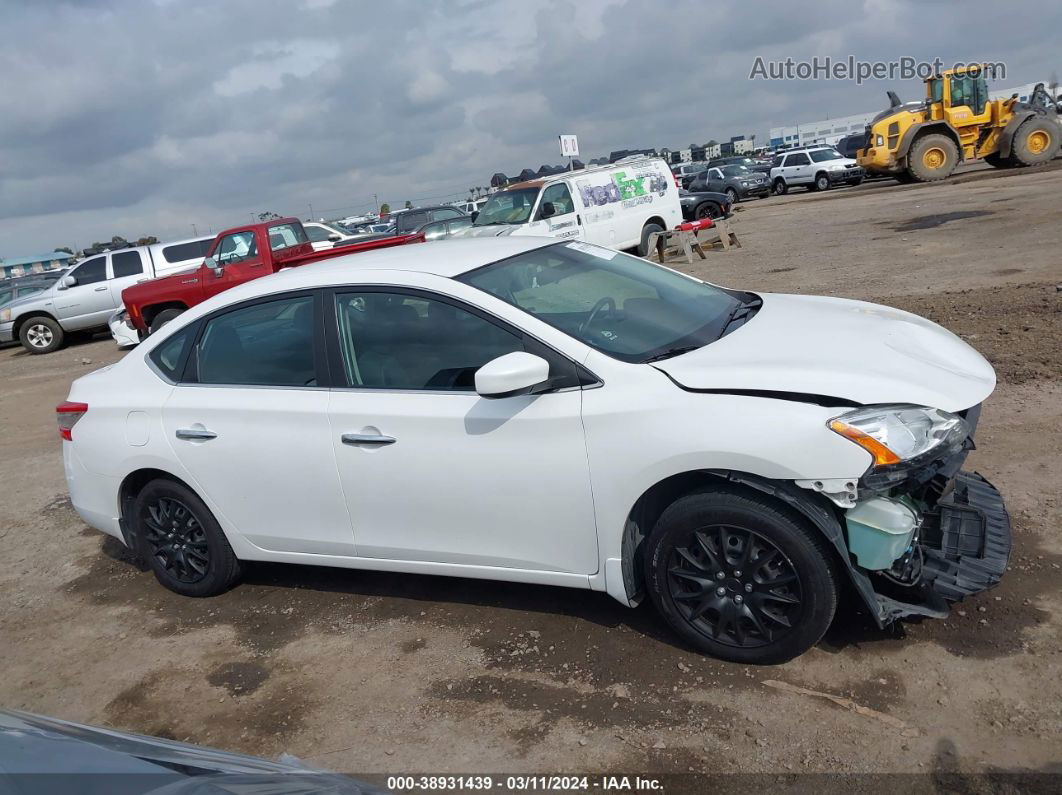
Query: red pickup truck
<point x="237" y="255"/>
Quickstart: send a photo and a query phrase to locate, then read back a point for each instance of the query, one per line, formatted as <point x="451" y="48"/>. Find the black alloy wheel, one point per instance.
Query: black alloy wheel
<point x="175" y="539"/>
<point x="179" y="538"/>
<point x="735" y="586"/>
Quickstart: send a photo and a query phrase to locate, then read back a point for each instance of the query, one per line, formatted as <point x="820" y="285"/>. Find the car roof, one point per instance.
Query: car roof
<point x="446" y="258"/>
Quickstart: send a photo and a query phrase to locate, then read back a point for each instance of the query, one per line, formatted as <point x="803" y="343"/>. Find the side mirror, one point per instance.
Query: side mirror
<point x="513" y="374"/>
<point x="334" y="238"/>
<point x="546" y="210"/>
<point x="212" y="263"/>
<point x="475" y="215"/>
<point x="68" y="281"/>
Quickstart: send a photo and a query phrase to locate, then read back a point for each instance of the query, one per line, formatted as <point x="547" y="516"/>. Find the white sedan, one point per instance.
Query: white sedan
<point x="552" y="412"/>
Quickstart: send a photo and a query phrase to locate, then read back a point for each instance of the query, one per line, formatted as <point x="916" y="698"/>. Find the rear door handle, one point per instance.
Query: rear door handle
<point x="367" y="439"/>
<point x="195" y="434"/>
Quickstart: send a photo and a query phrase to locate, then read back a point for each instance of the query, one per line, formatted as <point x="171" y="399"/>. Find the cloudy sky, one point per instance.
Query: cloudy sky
<point x="135" y="117"/>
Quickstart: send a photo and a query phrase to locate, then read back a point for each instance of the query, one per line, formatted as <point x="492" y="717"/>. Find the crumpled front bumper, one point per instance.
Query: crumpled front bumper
<point x="966" y="539"/>
<point x="122" y="330"/>
<point x="7" y="331"/>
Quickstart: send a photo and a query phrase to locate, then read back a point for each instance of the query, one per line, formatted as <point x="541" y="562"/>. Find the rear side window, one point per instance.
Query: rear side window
<point x="285" y="236"/>
<point x="317" y="234"/>
<point x="179" y="252"/>
<point x="126" y="263"/>
<point x="266" y="344"/>
<point x="169" y="356"/>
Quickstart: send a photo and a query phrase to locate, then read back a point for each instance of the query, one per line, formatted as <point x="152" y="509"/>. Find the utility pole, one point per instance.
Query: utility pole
<point x="194" y="233"/>
<point x="311" y="210"/>
<point x="376" y="203"/>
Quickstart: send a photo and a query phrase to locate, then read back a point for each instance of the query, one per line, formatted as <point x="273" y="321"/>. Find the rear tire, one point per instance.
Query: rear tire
<point x="181" y="540"/>
<point x="647" y="230"/>
<point x="1036" y="141"/>
<point x="41" y="335"/>
<point x="162" y="318"/>
<point x="932" y="158"/>
<point x="740" y="578"/>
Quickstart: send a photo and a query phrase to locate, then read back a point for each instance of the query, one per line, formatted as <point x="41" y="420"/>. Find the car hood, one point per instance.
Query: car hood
<point x="488" y="230"/>
<point x="29" y="300"/>
<point x="861" y="352"/>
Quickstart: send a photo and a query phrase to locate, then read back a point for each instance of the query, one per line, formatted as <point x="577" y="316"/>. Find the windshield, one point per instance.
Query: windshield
<point x="624" y="306"/>
<point x="508" y="207"/>
<point x="736" y="171"/>
<point x="820" y="155"/>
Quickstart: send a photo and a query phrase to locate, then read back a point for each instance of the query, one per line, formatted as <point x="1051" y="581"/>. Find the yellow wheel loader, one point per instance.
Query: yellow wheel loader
<point x="924" y="141"/>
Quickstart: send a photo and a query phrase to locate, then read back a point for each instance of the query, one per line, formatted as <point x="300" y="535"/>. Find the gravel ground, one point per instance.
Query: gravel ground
<point x="371" y="672"/>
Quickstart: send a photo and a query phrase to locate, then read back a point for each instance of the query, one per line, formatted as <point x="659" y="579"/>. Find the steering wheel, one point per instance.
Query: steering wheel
<point x="601" y="304"/>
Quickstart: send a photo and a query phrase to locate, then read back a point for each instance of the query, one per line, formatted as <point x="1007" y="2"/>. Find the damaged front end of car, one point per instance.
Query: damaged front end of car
<point x="919" y="532"/>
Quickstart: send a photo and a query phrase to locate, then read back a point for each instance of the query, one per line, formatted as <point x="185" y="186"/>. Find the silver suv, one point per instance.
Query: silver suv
<point x="815" y="168"/>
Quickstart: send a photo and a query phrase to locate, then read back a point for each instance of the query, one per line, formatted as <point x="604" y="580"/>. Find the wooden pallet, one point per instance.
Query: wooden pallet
<point x="688" y="242"/>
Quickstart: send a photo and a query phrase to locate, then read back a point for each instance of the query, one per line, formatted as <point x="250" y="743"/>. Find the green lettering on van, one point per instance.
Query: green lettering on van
<point x="629" y="188"/>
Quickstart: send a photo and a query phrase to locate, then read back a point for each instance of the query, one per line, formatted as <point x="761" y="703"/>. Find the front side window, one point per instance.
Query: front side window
<point x="91" y="271"/>
<point x="409" y="342"/>
<point x="445" y="214"/>
<point x="265" y="344"/>
<point x="624" y="306"/>
<point x="237" y="247"/>
<point x="822" y="155"/>
<point x="508" y="207"/>
<point x="936" y="89"/>
<point x="797" y="160"/>
<point x="126" y="263"/>
<point x="284" y="236"/>
<point x="560" y="197"/>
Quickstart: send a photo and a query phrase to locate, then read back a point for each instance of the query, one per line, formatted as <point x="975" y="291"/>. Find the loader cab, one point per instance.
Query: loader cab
<point x="960" y="98"/>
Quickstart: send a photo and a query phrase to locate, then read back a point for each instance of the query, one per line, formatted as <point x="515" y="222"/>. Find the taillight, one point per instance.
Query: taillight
<point x="68" y="414"/>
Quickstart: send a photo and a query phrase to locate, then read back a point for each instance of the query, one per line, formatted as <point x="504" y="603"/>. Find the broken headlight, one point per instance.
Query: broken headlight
<point x="901" y="437"/>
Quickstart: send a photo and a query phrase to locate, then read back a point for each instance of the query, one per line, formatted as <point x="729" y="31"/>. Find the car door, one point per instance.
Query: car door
<point x="432" y="471"/>
<point x="88" y="302"/>
<point x="239" y="260"/>
<point x="249" y="422"/>
<point x="563" y="221"/>
<point x="714" y="180"/>
<point x="126" y="269"/>
<point x="797" y="168"/>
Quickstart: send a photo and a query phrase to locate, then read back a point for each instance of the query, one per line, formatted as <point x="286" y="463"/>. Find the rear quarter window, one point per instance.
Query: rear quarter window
<point x="169" y="356"/>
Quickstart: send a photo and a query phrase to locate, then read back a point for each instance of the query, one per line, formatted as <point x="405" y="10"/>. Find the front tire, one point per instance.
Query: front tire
<point x="732" y="195"/>
<point x="162" y="318"/>
<point x="181" y="540"/>
<point x="707" y="210"/>
<point x="41" y="335"/>
<point x="647" y="231"/>
<point x="740" y="578"/>
<point x="932" y="158"/>
<point x="822" y="182"/>
<point x="780" y="188"/>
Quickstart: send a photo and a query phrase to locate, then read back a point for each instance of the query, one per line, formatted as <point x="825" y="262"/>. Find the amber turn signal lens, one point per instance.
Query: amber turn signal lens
<point x="882" y="454"/>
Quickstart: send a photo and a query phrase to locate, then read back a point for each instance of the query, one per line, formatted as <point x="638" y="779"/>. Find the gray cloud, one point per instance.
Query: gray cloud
<point x="136" y="117"/>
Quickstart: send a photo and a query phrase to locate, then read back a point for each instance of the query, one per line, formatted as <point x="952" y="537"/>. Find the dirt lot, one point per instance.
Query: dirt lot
<point x="367" y="672"/>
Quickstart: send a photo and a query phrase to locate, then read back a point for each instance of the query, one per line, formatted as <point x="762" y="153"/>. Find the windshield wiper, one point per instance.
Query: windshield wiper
<point x="740" y="312"/>
<point x="676" y="351"/>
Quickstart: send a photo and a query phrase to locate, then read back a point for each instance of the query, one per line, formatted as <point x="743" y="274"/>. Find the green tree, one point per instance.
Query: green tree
<point x="268" y="215"/>
<point x="409" y="204"/>
<point x="385" y="209"/>
<point x="65" y="249"/>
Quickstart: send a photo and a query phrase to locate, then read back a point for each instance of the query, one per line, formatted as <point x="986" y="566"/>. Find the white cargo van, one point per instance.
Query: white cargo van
<point x="617" y="206"/>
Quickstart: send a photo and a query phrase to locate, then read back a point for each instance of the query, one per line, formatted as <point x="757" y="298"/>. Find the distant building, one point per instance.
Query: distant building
<point x="13" y="267"/>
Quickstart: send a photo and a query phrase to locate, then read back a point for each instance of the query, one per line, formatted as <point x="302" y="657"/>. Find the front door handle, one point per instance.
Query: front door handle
<point x="373" y="439"/>
<point x="100" y="289"/>
<point x="195" y="434"/>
